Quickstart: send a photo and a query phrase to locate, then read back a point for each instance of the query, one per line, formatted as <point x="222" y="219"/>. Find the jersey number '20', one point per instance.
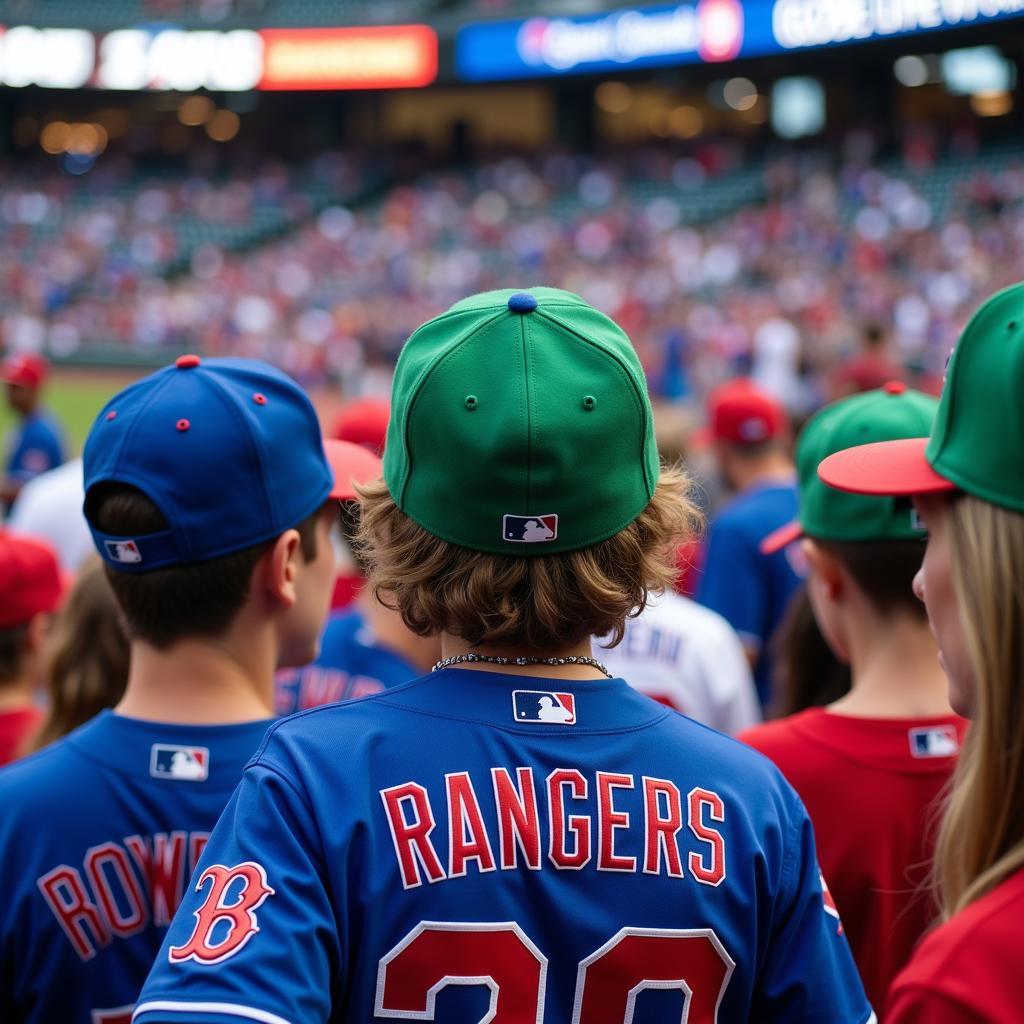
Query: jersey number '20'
<point x="502" y="957"/>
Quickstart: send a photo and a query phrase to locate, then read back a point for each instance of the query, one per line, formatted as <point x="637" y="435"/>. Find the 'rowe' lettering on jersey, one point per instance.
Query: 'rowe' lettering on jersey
<point x="504" y="823"/>
<point x="121" y="888"/>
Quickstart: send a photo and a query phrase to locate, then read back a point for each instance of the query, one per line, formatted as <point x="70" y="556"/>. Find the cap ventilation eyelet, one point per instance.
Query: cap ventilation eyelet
<point x="471" y="402"/>
<point x="183" y="425"/>
<point x="112" y="415"/>
<point x="589" y="403"/>
<point x="259" y="398"/>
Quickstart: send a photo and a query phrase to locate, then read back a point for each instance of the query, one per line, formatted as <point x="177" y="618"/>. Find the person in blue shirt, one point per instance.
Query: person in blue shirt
<point x="750" y="435"/>
<point x="516" y="836"/>
<point x="37" y="443"/>
<point x="210" y="500"/>
<point x="365" y="647"/>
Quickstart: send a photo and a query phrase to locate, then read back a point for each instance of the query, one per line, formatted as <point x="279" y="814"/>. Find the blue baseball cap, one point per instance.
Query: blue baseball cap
<point x="229" y="451"/>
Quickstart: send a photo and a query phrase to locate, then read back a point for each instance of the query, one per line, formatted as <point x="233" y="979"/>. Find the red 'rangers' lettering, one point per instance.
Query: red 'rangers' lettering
<point x="240" y="914"/>
<point x="623" y="822"/>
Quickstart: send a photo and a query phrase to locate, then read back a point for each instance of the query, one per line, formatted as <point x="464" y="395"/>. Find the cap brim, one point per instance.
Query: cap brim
<point x="352" y="465"/>
<point x="781" y="538"/>
<point x="893" y="468"/>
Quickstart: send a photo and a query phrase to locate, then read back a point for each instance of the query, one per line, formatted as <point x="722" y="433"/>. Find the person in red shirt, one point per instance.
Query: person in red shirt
<point x="30" y="590"/>
<point x="967" y="484"/>
<point x="871" y="765"/>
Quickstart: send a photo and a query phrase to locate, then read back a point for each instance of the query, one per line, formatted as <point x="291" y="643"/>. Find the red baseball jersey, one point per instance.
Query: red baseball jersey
<point x="969" y="969"/>
<point x="870" y="787"/>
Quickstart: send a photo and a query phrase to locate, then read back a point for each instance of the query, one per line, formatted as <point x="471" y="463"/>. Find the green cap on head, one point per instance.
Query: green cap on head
<point x="977" y="441"/>
<point x="520" y="425"/>
<point x="891" y="413"/>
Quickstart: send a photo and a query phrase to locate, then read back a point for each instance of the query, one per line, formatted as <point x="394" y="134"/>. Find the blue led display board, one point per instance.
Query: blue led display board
<point x="696" y="31"/>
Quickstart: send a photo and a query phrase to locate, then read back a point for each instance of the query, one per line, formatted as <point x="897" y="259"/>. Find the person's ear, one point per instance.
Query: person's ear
<point x="827" y="568"/>
<point x="278" y="568"/>
<point x="36" y="632"/>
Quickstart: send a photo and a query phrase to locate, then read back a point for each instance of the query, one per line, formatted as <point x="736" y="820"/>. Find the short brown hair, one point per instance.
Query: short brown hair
<point x="166" y="605"/>
<point x="543" y="602"/>
<point x="885" y="571"/>
<point x="12" y="652"/>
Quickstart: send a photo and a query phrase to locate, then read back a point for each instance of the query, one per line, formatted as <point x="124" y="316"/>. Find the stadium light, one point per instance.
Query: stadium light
<point x="740" y="93"/>
<point x="613" y="97"/>
<point x="911" y="71"/>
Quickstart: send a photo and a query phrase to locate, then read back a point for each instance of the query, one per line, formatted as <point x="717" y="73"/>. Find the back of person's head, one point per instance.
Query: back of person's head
<point x="30" y="591"/>
<point x="87" y="656"/>
<point x="746" y="419"/>
<point x="25" y="374"/>
<point x="967" y="478"/>
<point x="807" y="672"/>
<point x="522" y="504"/>
<point x="874" y="544"/>
<point x="193" y="475"/>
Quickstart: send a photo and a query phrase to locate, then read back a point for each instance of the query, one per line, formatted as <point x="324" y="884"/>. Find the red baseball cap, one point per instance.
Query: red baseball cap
<point x="364" y="422"/>
<point x="25" y="369"/>
<point x="30" y="580"/>
<point x="740" y="412"/>
<point x="351" y="464"/>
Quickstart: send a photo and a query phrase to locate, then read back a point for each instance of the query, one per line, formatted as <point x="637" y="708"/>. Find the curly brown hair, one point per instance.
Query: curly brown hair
<point x="543" y="602"/>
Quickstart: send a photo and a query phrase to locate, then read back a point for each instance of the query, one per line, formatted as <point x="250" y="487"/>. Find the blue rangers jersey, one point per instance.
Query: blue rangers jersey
<point x="475" y="846"/>
<point x="99" y="835"/>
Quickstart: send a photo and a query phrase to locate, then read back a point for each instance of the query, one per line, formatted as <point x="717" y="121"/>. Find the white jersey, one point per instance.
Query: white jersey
<point x="50" y="507"/>
<point x="688" y="657"/>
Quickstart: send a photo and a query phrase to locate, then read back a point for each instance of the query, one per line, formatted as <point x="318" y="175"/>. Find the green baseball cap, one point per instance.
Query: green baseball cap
<point x="977" y="442"/>
<point x="520" y="425"/>
<point x="891" y="413"/>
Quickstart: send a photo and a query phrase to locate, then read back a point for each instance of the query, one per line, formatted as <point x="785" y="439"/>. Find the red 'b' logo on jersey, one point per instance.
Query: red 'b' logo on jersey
<point x="227" y="919"/>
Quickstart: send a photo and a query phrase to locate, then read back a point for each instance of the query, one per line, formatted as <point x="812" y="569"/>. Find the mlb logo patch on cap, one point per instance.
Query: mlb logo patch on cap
<point x="934" y="741"/>
<point x="185" y="764"/>
<point x="529" y="529"/>
<point x="126" y="551"/>
<point x="544" y="707"/>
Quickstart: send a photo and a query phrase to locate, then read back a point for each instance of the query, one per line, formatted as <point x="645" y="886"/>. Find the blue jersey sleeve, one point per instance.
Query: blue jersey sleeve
<point x="809" y="974"/>
<point x="255" y="939"/>
<point x="37" y="448"/>
<point x="731" y="583"/>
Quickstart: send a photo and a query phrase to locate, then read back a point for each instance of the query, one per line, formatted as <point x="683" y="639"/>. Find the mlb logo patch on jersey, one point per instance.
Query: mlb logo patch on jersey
<point x="529" y="529"/>
<point x="185" y="764"/>
<point x="934" y="741"/>
<point x="123" y="551"/>
<point x="544" y="707"/>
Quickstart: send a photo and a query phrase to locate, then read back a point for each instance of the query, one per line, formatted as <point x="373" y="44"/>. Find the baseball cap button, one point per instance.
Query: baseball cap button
<point x="894" y="387"/>
<point x="522" y="302"/>
<point x="187" y="362"/>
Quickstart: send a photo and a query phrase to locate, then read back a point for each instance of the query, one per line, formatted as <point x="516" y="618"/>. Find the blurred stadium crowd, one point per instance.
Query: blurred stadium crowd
<point x="714" y="263"/>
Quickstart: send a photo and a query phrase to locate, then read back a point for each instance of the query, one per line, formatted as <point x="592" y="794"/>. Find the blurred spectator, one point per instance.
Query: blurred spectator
<point x="870" y="368"/>
<point x="37" y="443"/>
<point x="364" y="421"/>
<point x="87" y="656"/>
<point x="365" y="647"/>
<point x="807" y="672"/>
<point x="50" y="507"/>
<point x="689" y="658"/>
<point x="30" y="591"/>
<point x="751" y="445"/>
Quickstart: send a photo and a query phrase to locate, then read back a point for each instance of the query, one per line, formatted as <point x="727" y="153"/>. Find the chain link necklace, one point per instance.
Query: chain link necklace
<point x="489" y="659"/>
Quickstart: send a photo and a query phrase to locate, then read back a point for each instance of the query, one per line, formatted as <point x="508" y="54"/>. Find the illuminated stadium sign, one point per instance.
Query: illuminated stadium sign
<point x="388" y="57"/>
<point x="701" y="30"/>
<point x="804" y="23"/>
<point x="707" y="30"/>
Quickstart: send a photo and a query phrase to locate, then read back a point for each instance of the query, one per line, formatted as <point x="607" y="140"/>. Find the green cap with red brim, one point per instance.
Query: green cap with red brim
<point x="887" y="414"/>
<point x="977" y="442"/>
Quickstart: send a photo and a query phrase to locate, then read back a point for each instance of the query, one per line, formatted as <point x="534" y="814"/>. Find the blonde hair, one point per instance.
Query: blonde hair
<point x="541" y="602"/>
<point x="87" y="658"/>
<point x="981" y="841"/>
